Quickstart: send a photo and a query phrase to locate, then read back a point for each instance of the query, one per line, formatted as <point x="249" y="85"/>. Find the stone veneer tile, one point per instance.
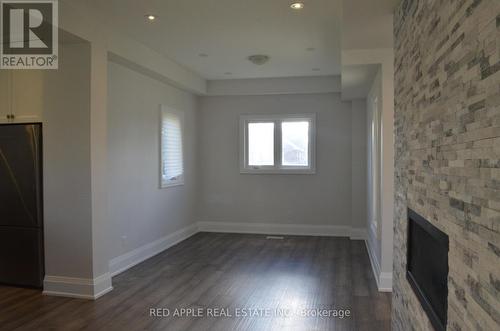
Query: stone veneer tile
<point x="447" y="150"/>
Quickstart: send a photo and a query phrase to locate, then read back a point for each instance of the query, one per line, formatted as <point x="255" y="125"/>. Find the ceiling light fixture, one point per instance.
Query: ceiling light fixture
<point x="258" y="59"/>
<point x="151" y="17"/>
<point x="297" y="5"/>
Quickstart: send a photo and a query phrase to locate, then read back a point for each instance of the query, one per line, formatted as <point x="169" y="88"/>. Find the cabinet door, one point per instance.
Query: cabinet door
<point x="27" y="96"/>
<point x="5" y="95"/>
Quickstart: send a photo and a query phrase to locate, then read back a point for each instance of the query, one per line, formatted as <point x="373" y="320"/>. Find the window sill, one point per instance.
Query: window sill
<point x="167" y="185"/>
<point x="246" y="171"/>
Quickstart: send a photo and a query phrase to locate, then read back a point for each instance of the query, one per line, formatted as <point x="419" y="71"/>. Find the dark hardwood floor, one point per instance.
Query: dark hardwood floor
<point x="275" y="281"/>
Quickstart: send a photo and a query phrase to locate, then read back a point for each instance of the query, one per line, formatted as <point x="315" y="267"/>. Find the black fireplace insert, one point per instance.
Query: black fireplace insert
<point x="427" y="268"/>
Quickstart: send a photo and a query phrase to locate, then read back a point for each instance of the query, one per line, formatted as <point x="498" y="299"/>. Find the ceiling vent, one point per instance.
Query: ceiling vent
<point x="258" y="59"/>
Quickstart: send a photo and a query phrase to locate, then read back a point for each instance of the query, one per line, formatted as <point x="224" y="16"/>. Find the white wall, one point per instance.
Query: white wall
<point x="66" y="151"/>
<point x="79" y="19"/>
<point x="359" y="165"/>
<point x="374" y="238"/>
<point x="228" y="196"/>
<point x="385" y="82"/>
<point x="380" y="236"/>
<point x="75" y="242"/>
<point x="281" y="85"/>
<point x="137" y="208"/>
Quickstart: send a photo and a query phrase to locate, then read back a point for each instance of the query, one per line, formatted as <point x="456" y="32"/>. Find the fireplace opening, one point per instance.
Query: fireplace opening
<point x="427" y="268"/>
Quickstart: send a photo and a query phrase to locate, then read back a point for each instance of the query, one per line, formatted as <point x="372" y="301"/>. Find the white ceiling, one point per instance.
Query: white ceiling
<point x="228" y="31"/>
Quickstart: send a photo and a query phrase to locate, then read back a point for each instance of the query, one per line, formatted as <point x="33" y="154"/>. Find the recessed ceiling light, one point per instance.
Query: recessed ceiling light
<point x="297" y="5"/>
<point x="203" y="55"/>
<point x="151" y="17"/>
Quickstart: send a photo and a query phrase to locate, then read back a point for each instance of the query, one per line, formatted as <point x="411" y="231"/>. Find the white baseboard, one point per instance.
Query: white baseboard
<point x="383" y="279"/>
<point x="92" y="289"/>
<point x="81" y="288"/>
<point x="385" y="282"/>
<point x="284" y="229"/>
<point x="373" y="261"/>
<point x="358" y="234"/>
<point x="126" y="261"/>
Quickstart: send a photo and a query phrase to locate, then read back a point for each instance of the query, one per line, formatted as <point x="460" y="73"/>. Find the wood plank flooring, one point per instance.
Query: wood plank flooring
<point x="275" y="282"/>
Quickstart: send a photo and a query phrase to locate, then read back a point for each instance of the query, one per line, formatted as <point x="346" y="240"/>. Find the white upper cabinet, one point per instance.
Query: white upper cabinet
<point x="21" y="96"/>
<point x="27" y="96"/>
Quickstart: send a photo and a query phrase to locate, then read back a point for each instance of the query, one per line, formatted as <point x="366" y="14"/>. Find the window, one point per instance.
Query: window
<point x="171" y="156"/>
<point x="261" y="144"/>
<point x="295" y="142"/>
<point x="277" y="144"/>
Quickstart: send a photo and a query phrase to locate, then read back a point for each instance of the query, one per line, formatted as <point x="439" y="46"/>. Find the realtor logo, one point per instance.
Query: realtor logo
<point x="29" y="34"/>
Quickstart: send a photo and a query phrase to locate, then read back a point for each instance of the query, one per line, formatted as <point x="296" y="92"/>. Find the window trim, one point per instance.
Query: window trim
<point x="180" y="181"/>
<point x="278" y="168"/>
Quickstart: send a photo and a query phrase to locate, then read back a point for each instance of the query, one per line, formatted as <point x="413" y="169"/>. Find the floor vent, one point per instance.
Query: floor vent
<point x="275" y="237"/>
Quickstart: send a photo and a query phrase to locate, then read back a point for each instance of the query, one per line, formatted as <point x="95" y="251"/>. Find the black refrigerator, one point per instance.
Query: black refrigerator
<point x="21" y="203"/>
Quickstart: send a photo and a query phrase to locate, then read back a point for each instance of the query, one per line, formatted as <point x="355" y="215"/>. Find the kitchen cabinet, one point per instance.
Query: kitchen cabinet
<point x="21" y="96"/>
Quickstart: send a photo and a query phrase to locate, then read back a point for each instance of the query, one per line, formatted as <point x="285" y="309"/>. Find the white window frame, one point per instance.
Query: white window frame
<point x="180" y="179"/>
<point x="277" y="168"/>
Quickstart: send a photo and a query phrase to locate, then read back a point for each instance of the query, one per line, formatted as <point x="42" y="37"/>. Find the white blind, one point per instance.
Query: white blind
<point x="171" y="147"/>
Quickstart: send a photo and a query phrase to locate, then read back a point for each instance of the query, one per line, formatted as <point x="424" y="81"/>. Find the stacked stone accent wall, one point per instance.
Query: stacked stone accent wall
<point x="447" y="150"/>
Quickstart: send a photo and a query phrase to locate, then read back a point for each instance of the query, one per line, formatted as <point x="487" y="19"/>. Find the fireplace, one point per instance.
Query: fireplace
<point x="427" y="268"/>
